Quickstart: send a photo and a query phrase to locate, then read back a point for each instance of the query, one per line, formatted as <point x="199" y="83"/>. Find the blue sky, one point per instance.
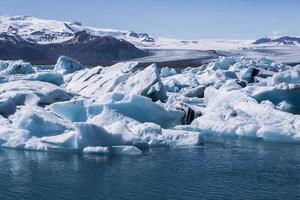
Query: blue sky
<point x="186" y="19"/>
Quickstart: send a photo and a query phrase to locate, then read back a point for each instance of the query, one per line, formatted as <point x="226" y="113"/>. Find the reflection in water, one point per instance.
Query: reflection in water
<point x="222" y="168"/>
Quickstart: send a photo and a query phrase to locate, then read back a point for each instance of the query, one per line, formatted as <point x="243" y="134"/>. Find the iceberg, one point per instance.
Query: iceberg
<point x="166" y="71"/>
<point x="123" y="78"/>
<point x="18" y="93"/>
<point x="67" y="65"/>
<point x="116" y="150"/>
<point x="290" y="76"/>
<point x="146" y="83"/>
<point x="96" y="150"/>
<point x="222" y="63"/>
<point x="285" y="97"/>
<point x="39" y="122"/>
<point x="15" y="67"/>
<point x="125" y="109"/>
<point x="234" y="113"/>
<point x="20" y="70"/>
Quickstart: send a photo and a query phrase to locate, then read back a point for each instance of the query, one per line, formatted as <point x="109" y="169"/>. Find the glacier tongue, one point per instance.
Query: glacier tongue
<point x="124" y="109"/>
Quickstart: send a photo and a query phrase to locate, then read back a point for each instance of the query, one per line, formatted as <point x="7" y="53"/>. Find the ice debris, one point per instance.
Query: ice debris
<point x="125" y="109"/>
<point x="67" y="65"/>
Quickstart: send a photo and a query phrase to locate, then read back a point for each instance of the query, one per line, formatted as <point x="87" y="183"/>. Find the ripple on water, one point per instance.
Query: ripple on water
<point x="227" y="169"/>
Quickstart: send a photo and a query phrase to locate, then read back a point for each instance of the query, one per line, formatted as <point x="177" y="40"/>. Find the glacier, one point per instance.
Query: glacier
<point x="44" y="32"/>
<point x="125" y="108"/>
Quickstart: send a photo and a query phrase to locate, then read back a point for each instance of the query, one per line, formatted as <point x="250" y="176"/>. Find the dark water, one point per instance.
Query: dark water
<point x="229" y="169"/>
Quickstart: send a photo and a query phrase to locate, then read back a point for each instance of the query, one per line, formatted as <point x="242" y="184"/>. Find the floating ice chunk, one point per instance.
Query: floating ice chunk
<point x="93" y="135"/>
<point x="15" y="67"/>
<point x="147" y="133"/>
<point x="201" y="78"/>
<point x="140" y="134"/>
<point x="147" y="129"/>
<point x="84" y="135"/>
<point x="50" y="77"/>
<point x="84" y="82"/>
<point x="248" y="130"/>
<point x="248" y="74"/>
<point x="177" y="82"/>
<point x="128" y="135"/>
<point x="114" y="106"/>
<point x="166" y="71"/>
<point x="146" y="83"/>
<point x="232" y="85"/>
<point x="267" y="102"/>
<point x="38" y="93"/>
<point x="280" y="133"/>
<point x="285" y="106"/>
<point x="190" y="107"/>
<point x="143" y="109"/>
<point x="10" y="100"/>
<point x="291" y="76"/>
<point x="98" y="81"/>
<point x="120" y="78"/>
<point x="285" y="97"/>
<point x="131" y="131"/>
<point x="39" y="122"/>
<point x="67" y="65"/>
<point x="51" y="92"/>
<point x="233" y="113"/>
<point x="223" y="63"/>
<point x="109" y="98"/>
<point x="96" y="150"/>
<point x="117" y="150"/>
<point x="266" y="66"/>
<point x="74" y="111"/>
<point x="44" y="76"/>
<point x="65" y="141"/>
<point x="13" y="138"/>
<point x="196" y="92"/>
<point x="123" y="67"/>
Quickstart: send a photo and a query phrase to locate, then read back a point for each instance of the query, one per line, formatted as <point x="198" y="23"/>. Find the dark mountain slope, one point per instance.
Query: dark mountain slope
<point x="86" y="48"/>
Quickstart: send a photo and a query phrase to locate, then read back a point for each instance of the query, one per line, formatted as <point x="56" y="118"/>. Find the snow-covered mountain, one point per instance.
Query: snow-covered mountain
<point x="44" y="31"/>
<point x="43" y="41"/>
<point x="283" y="40"/>
<point x="89" y="49"/>
<point x="36" y="31"/>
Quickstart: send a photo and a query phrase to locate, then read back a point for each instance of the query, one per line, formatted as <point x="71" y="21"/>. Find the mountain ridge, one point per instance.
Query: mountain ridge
<point x="86" y="48"/>
<point x="121" y="45"/>
<point x="282" y="40"/>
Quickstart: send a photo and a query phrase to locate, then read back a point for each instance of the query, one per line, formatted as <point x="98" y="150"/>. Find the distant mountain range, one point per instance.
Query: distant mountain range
<point x="43" y="31"/>
<point x="43" y="41"/>
<point x="86" y="48"/>
<point x="284" y="40"/>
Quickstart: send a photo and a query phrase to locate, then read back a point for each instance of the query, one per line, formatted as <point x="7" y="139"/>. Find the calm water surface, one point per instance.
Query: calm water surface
<point x="228" y="169"/>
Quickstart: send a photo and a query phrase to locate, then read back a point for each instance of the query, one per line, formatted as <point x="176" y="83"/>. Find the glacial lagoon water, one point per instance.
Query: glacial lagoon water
<point x="220" y="169"/>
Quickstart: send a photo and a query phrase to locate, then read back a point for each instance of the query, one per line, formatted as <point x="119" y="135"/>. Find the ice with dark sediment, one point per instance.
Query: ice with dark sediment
<point x="125" y="109"/>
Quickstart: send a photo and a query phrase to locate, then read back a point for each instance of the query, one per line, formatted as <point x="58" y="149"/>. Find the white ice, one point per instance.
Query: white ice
<point x="125" y="109"/>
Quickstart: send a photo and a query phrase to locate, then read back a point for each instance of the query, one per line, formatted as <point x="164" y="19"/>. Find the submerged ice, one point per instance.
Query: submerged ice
<point x="124" y="109"/>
